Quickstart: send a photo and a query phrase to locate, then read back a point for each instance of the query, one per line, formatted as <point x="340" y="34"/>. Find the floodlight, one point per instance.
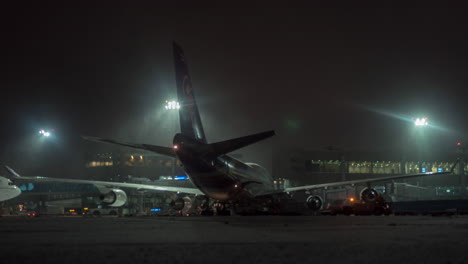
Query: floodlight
<point x="172" y="105"/>
<point x="421" y="121"/>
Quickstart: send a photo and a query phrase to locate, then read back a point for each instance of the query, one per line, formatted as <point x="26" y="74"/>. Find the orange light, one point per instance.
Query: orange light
<point x="351" y="199"/>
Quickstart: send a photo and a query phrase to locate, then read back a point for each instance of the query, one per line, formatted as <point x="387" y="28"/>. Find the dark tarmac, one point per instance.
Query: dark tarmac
<point x="262" y="239"/>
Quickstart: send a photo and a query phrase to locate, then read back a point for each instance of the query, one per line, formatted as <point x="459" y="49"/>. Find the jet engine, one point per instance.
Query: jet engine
<point x="183" y="204"/>
<point x="369" y="195"/>
<point x="178" y="204"/>
<point x="115" y="198"/>
<point x="314" y="202"/>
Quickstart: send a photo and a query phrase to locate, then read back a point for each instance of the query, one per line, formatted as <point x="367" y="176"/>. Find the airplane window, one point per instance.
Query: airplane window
<point x="10" y="183"/>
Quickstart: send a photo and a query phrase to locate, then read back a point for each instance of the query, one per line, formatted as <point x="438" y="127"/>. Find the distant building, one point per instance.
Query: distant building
<point x="117" y="166"/>
<point x="321" y="166"/>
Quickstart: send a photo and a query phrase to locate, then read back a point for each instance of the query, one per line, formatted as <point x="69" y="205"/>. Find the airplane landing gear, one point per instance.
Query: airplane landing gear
<point x="222" y="208"/>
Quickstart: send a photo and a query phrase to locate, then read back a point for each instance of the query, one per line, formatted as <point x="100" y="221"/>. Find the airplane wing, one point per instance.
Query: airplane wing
<point x="111" y="185"/>
<point x="353" y="182"/>
<point x="366" y="181"/>
<point x="167" y="151"/>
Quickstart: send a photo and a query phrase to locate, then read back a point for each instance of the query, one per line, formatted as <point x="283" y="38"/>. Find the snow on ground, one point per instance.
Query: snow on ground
<point x="262" y="239"/>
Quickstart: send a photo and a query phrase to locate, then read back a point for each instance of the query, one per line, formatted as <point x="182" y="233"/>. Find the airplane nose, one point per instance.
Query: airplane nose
<point x="17" y="191"/>
<point x="12" y="193"/>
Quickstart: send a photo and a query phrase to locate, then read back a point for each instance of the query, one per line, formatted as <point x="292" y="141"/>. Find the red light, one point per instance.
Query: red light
<point x="459" y="144"/>
<point x="53" y="130"/>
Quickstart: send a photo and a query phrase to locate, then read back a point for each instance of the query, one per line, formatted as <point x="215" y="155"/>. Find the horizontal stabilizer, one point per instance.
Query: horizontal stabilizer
<point x="167" y="151"/>
<point x="227" y="146"/>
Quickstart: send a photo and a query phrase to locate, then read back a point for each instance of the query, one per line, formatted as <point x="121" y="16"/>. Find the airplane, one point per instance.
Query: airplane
<point x="111" y="194"/>
<point x="8" y="190"/>
<point x="216" y="175"/>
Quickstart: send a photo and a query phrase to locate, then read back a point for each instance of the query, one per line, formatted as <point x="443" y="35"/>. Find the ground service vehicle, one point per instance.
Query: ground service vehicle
<point x="358" y="207"/>
<point x="340" y="206"/>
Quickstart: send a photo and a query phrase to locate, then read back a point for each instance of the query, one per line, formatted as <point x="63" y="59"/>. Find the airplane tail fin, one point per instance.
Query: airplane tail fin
<point x="190" y="122"/>
<point x="227" y="146"/>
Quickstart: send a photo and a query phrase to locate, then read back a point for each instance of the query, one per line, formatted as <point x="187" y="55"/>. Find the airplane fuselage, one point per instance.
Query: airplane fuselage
<point x="8" y="190"/>
<point x="222" y="177"/>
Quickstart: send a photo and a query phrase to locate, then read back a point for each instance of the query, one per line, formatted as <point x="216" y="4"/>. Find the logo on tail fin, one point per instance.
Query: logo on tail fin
<point x="189" y="102"/>
<point x="187" y="84"/>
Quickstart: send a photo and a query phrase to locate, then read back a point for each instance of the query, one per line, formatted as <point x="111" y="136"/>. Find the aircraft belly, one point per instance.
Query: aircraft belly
<point x="215" y="185"/>
<point x="9" y="193"/>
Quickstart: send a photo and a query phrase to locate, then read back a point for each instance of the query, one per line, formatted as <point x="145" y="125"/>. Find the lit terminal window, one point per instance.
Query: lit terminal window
<point x="100" y="164"/>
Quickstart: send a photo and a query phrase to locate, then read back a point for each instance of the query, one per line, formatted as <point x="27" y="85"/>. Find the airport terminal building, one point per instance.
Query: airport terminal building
<point x="292" y="168"/>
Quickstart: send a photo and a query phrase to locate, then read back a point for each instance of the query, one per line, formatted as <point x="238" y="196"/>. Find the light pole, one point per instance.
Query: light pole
<point x="411" y="134"/>
<point x="172" y="105"/>
<point x="461" y="153"/>
<point x="420" y="123"/>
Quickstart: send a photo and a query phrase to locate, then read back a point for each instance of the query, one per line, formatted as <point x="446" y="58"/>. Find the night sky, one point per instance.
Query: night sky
<point x="345" y="76"/>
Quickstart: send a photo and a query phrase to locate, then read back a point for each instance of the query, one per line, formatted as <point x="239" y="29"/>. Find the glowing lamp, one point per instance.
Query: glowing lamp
<point x="421" y="121"/>
<point x="172" y="105"/>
